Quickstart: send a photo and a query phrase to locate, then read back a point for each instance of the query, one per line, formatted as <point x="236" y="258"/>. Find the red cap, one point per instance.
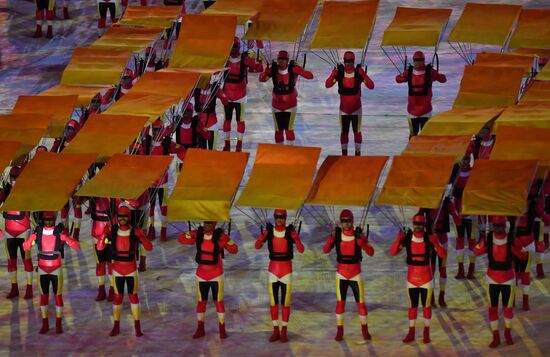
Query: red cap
<point x="41" y="148"/>
<point x="498" y="220"/>
<point x="419" y="218"/>
<point x="15" y="171"/>
<point x="190" y="106"/>
<point x="283" y="55"/>
<point x="346" y="214"/>
<point x="49" y="214"/>
<point x="127" y="73"/>
<point x="237" y="42"/>
<point x="279" y="212"/>
<point x="73" y="124"/>
<point x="418" y="55"/>
<point x="349" y="56"/>
<point x="123" y="210"/>
<point x="158" y="124"/>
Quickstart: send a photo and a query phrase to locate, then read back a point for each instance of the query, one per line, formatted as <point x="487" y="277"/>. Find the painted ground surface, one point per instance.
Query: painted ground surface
<point x="167" y="289"/>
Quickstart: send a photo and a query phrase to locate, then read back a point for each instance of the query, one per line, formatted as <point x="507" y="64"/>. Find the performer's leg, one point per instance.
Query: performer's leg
<point x="50" y="15"/>
<point x="217" y="295"/>
<point x="289" y="131"/>
<point x="44" y="287"/>
<point x="29" y="271"/>
<point x="202" y="298"/>
<point x="39" y="16"/>
<point x="11" y="246"/>
<point x="493" y="292"/>
<point x="57" y="285"/>
<point x="525" y="276"/>
<point x="66" y="10"/>
<point x="358" y="293"/>
<point x="414" y="297"/>
<point x="152" y="207"/>
<point x="278" y="122"/>
<point x="163" y="200"/>
<point x="345" y="121"/>
<point x="239" y="113"/>
<point x="77" y="210"/>
<point x="286" y="290"/>
<point x="341" y="294"/>
<point x="357" y="136"/>
<point x="459" y="246"/>
<point x="228" y="111"/>
<point x="273" y="289"/>
<point x="100" y="270"/>
<point x="133" y="282"/>
<point x="117" y="304"/>
<point x="508" y="294"/>
<point x="426" y="297"/>
<point x="442" y="276"/>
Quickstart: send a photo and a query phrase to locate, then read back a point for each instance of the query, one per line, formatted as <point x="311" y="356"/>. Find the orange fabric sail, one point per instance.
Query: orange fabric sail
<point x="8" y="149"/>
<point x="47" y="182"/>
<point x="535" y="116"/>
<point x="460" y="121"/>
<point x="26" y="129"/>
<point x="243" y="9"/>
<point x="537" y="92"/>
<point x="346" y="180"/>
<point x="150" y="16"/>
<point x="126" y="176"/>
<point x="206" y="186"/>
<point x="152" y="106"/>
<point x="452" y="145"/>
<point x="494" y="59"/>
<point x="418" y="181"/>
<point x="170" y="84"/>
<point x="106" y="135"/>
<point x="487" y="193"/>
<point x="60" y="107"/>
<point x="544" y="74"/>
<point x="281" y="176"/>
<point x="95" y="67"/>
<point x="127" y="39"/>
<point x="85" y="94"/>
<point x="532" y="30"/>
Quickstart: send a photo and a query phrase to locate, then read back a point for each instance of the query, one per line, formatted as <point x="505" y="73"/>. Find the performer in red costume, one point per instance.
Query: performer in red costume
<point x="540" y="219"/>
<point x="139" y="218"/>
<point x="66" y="10"/>
<point x="205" y="106"/>
<point x="349" y="78"/>
<point x="124" y="239"/>
<point x="113" y="6"/>
<point x="49" y="240"/>
<point x="481" y="145"/>
<point x="44" y="11"/>
<point x="349" y="242"/>
<point x="210" y="242"/>
<point x="420" y="78"/>
<point x="235" y="90"/>
<point x="419" y="246"/>
<point x="280" y="240"/>
<point x="501" y="251"/>
<point x="441" y="230"/>
<point x="284" y="102"/>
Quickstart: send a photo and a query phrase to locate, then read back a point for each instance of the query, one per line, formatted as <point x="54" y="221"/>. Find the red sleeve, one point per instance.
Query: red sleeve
<point x="261" y="240"/>
<point x="364" y="243"/>
<point x="254" y="65"/>
<point x="329" y="244"/>
<point x="55" y="145"/>
<point x="266" y="74"/>
<point x="228" y="244"/>
<point x="221" y="95"/>
<point x="188" y="238"/>
<point x="441" y="251"/>
<point x="402" y="77"/>
<point x="439" y="77"/>
<point x="27" y="245"/>
<point x="302" y="72"/>
<point x="517" y="252"/>
<point x="298" y="242"/>
<point x="396" y="247"/>
<point x="331" y="80"/>
<point x="143" y="239"/>
<point x="366" y="79"/>
<point x="480" y="248"/>
<point x="74" y="244"/>
<point x="454" y="213"/>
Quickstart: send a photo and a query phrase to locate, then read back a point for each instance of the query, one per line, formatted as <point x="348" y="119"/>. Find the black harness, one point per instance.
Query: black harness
<point x="356" y="89"/>
<point x="215" y="254"/>
<point x="237" y="78"/>
<point x="417" y="90"/>
<point x="129" y="255"/>
<point x="280" y="88"/>
<point x="356" y="257"/>
<point x="499" y="265"/>
<point x="427" y="250"/>
<point x="14" y="216"/>
<point x="280" y="256"/>
<point x="58" y="250"/>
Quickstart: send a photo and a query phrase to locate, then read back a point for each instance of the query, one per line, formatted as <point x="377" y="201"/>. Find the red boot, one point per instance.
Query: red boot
<point x="227" y="146"/>
<point x="441" y="299"/>
<point x="76" y="234"/>
<point x="66" y="13"/>
<point x="163" y="234"/>
<point x="45" y="326"/>
<point x="471" y="271"/>
<point x="28" y="292"/>
<point x="339" y="333"/>
<point x="426" y="335"/>
<point x="357" y="152"/>
<point x="151" y="235"/>
<point x="275" y="336"/>
<point x="49" y="33"/>
<point x="200" y="330"/>
<point x="365" y="331"/>
<point x="101" y="293"/>
<point x="142" y="263"/>
<point x="508" y="336"/>
<point x="111" y="295"/>
<point x="496" y="340"/>
<point x="239" y="147"/>
<point x="460" y="273"/>
<point x="137" y="328"/>
<point x="410" y="336"/>
<point x="14" y="292"/>
<point x="525" y="306"/>
<point x="37" y="32"/>
<point x="221" y="329"/>
<point x="283" y="338"/>
<point x="116" y="329"/>
<point x="58" y="325"/>
<point x="344" y="152"/>
<point x="540" y="271"/>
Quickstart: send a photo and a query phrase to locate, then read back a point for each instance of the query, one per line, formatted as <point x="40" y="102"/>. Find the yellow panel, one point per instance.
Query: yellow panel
<point x="416" y="27"/>
<point x="488" y="24"/>
<point x="532" y="30"/>
<point x="336" y="16"/>
<point x="127" y="39"/>
<point x="498" y="187"/>
<point x="536" y="116"/>
<point x="418" y="181"/>
<point x="126" y="176"/>
<point x="85" y="93"/>
<point x="346" y="180"/>
<point x="8" y="149"/>
<point x="454" y="145"/>
<point x="206" y="185"/>
<point x="95" y="67"/>
<point x="243" y="9"/>
<point x="166" y="83"/>
<point x="537" y="92"/>
<point x="460" y="121"/>
<point x="499" y="59"/>
<point x="150" y="16"/>
<point x="152" y="106"/>
<point x="26" y="129"/>
<point x="48" y="181"/>
<point x="281" y="176"/>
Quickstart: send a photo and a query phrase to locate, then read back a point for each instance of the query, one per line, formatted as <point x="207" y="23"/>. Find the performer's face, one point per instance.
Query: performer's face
<point x="282" y="62"/>
<point x="348" y="64"/>
<point x="126" y="81"/>
<point x="49" y="222"/>
<point x="122" y="219"/>
<point x="419" y="62"/>
<point x="235" y="49"/>
<point x="347" y="223"/>
<point x="485" y="131"/>
<point x="208" y="226"/>
<point x="499" y="228"/>
<point x="280" y="220"/>
<point x="418" y="228"/>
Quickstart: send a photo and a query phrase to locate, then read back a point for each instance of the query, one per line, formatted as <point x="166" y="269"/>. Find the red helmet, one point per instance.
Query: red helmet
<point x="189" y="107"/>
<point x="127" y="73"/>
<point x="498" y="220"/>
<point x="419" y="218"/>
<point x="346" y="214"/>
<point x="418" y="55"/>
<point x="148" y="51"/>
<point x="15" y="171"/>
<point x="73" y="124"/>
<point x="283" y="55"/>
<point x="349" y="56"/>
<point x="237" y="42"/>
<point x="41" y="148"/>
<point x="123" y="210"/>
<point x="49" y="214"/>
<point x="158" y="124"/>
<point x="279" y="212"/>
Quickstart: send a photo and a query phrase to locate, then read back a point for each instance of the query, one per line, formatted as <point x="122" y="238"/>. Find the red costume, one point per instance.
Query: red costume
<point x="281" y="239"/>
<point x="235" y="90"/>
<point x="349" y="242"/>
<point x="285" y="96"/>
<point x="210" y="243"/>
<point x="124" y="244"/>
<point x="139" y="218"/>
<point x="50" y="240"/>
<point x="349" y="81"/>
<point x="104" y="6"/>
<point x="419" y="246"/>
<point x="102" y="217"/>
<point x="420" y="78"/>
<point x="44" y="11"/>
<point x="205" y="106"/>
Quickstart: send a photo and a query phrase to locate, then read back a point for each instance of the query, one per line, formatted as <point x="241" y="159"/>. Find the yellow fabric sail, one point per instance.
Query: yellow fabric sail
<point x="204" y="42"/>
<point x="95" y="67"/>
<point x="523" y="143"/>
<point x="541" y="52"/>
<point x="60" y="107"/>
<point x="537" y="92"/>
<point x="166" y="83"/>
<point x="460" y="121"/>
<point x="487" y="24"/>
<point x="126" y="176"/>
<point x="106" y="135"/>
<point x="8" y="149"/>
<point x="85" y="94"/>
<point x="206" y="186"/>
<point x="534" y="116"/>
<point x="27" y="129"/>
<point x="281" y="20"/>
<point x="336" y="16"/>
<point x="47" y="182"/>
<point x="497" y="59"/>
<point x="544" y="74"/>
<point x="281" y="176"/>
<point x="152" y="106"/>
<point x="449" y="145"/>
<point x="532" y="30"/>
<point x="487" y="193"/>
<point x="346" y="180"/>
<point x="417" y="181"/>
<point x="483" y="87"/>
<point x="127" y="39"/>
<point x="416" y="27"/>
<point x="150" y="16"/>
<point x="243" y="9"/>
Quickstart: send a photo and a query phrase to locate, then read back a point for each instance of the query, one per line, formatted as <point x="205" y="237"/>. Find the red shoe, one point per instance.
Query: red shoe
<point x="508" y="336"/>
<point x="365" y="331"/>
<point x="525" y="306"/>
<point x="163" y="234"/>
<point x="58" y="325"/>
<point x="410" y="336"/>
<point x="37" y="32"/>
<point x="111" y="295"/>
<point x="471" y="271"/>
<point x="142" y="263"/>
<point x="14" y="292"/>
<point x="496" y="340"/>
<point x="227" y="146"/>
<point x="116" y="329"/>
<point x="339" y="333"/>
<point x="101" y="293"/>
<point x="66" y="13"/>
<point x="239" y="147"/>
<point x="540" y="271"/>
<point x="200" y="330"/>
<point x="426" y="335"/>
<point x="275" y="336"/>
<point x="137" y="327"/>
<point x="28" y="292"/>
<point x="460" y="273"/>
<point x="221" y="329"/>
<point x="441" y="299"/>
<point x="45" y="326"/>
<point x="283" y="338"/>
<point x="49" y="33"/>
<point x="76" y="234"/>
